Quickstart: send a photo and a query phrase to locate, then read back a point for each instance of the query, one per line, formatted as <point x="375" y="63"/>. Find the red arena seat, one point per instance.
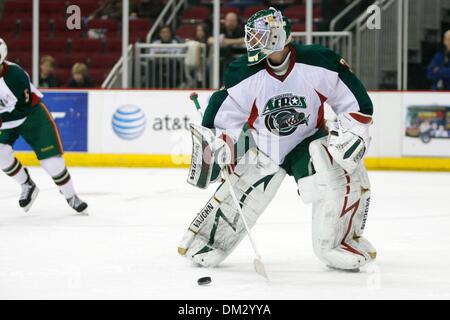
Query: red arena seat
<point x="195" y="14"/>
<point x="98" y="75"/>
<point x="249" y="11"/>
<point x="63" y="76"/>
<point x="56" y="44"/>
<point x="21" y="58"/>
<point x="139" y="25"/>
<point x="50" y="7"/>
<point x="101" y="61"/>
<point x="15" y="7"/>
<point x="225" y="10"/>
<point x="19" y="44"/>
<point x="113" y="45"/>
<point x="296" y="13"/>
<point x="87" y="45"/>
<point x="298" y="27"/>
<point x="9" y="24"/>
<point x="186" y="31"/>
<point x="108" y="24"/>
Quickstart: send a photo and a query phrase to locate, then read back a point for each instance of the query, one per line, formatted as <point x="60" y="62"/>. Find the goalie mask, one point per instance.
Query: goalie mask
<point x="3" y="50"/>
<point x="266" y="32"/>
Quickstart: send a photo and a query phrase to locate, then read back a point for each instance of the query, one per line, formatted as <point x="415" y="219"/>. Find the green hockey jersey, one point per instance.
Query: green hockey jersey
<point x="18" y="95"/>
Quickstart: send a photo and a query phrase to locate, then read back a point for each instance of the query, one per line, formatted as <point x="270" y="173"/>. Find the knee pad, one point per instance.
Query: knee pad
<point x="218" y="228"/>
<point x="340" y="207"/>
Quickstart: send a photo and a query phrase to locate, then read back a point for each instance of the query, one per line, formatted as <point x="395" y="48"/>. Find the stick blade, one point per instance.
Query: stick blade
<point x="260" y="268"/>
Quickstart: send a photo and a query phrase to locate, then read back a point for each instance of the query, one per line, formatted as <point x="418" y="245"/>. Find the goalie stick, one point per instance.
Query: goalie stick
<point x="257" y="262"/>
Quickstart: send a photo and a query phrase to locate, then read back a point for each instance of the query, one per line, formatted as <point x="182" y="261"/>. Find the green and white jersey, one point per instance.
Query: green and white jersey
<point x="18" y="95"/>
<point x="283" y="111"/>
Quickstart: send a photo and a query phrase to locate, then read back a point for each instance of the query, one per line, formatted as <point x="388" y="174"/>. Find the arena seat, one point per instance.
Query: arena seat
<point x="23" y="45"/>
<point x="87" y="45"/>
<point x="298" y="27"/>
<point x="18" y="7"/>
<point x="296" y="13"/>
<point x="98" y="75"/>
<point x="9" y="24"/>
<point x="108" y="24"/>
<point x="63" y="76"/>
<point x="186" y="31"/>
<point x="49" y="7"/>
<point x="103" y="61"/>
<point x="54" y="44"/>
<point x="113" y="45"/>
<point x="67" y="60"/>
<point x="195" y="14"/>
<point x="249" y="11"/>
<point x="21" y="58"/>
<point x="72" y="34"/>
<point x="225" y="10"/>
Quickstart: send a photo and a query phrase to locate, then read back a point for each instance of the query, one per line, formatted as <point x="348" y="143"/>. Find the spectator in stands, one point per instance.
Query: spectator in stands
<point x="232" y="33"/>
<point x="193" y="60"/>
<point x="439" y="69"/>
<point x="231" y="40"/>
<point x="80" y="77"/>
<point x="202" y="34"/>
<point x="47" y="77"/>
<point x="165" y="37"/>
<point x="166" y="68"/>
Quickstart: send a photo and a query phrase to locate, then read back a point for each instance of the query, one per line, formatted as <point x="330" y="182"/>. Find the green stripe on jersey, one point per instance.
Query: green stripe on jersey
<point x="320" y="56"/>
<point x="215" y="102"/>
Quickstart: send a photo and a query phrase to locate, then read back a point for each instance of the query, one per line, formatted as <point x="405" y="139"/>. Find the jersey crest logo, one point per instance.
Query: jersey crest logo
<point x="283" y="114"/>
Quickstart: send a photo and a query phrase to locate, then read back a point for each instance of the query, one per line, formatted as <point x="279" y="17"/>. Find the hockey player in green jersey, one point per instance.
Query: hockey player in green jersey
<point x="23" y="114"/>
<point x="278" y="91"/>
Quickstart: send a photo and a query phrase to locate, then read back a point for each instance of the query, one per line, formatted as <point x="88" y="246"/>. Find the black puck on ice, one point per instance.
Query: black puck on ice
<point x="204" y="281"/>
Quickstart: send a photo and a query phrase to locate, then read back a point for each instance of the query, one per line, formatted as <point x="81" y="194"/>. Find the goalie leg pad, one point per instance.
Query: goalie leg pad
<point x="340" y="207"/>
<point x="218" y="228"/>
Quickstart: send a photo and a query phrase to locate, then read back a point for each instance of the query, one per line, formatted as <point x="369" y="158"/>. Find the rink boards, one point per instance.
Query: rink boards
<point x="149" y="128"/>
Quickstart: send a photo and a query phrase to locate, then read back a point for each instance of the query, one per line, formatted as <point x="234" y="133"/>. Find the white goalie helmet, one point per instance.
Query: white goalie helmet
<point x="266" y="31"/>
<point x="3" y="50"/>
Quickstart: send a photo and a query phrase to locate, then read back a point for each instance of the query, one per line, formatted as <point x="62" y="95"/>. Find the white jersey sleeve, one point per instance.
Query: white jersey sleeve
<point x="225" y="114"/>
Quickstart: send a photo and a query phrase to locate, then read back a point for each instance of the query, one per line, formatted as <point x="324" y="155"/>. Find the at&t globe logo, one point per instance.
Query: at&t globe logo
<point x="129" y="122"/>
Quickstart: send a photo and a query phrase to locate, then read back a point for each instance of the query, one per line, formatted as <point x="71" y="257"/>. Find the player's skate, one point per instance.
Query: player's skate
<point x="28" y="195"/>
<point x="77" y="204"/>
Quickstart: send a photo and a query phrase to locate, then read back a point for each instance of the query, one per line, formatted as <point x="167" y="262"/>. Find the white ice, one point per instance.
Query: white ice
<point x="127" y="247"/>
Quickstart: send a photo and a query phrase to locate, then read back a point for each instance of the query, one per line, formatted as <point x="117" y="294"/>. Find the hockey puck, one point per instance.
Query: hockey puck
<point x="204" y="281"/>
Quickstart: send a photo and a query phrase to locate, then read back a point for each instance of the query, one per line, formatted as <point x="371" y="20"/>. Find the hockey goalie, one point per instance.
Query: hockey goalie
<point x="268" y="121"/>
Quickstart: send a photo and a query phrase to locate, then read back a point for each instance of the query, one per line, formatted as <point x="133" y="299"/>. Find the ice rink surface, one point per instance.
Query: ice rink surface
<point x="127" y="247"/>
